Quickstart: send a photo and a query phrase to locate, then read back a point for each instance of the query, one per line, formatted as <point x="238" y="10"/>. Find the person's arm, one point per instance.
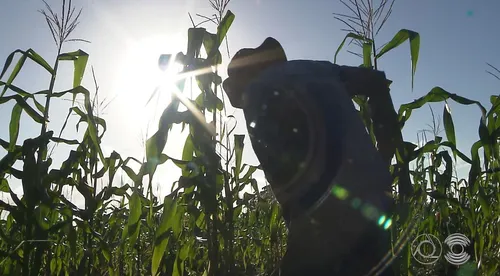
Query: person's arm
<point x="310" y="140"/>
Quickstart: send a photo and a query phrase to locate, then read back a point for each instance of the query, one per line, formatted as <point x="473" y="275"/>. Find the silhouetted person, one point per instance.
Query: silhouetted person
<point x="332" y="184"/>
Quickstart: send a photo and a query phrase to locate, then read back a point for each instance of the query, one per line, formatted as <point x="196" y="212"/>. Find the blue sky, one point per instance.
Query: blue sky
<point x="458" y="37"/>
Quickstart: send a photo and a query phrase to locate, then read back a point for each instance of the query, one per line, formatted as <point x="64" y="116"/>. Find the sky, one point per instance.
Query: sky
<point x="458" y="37"/>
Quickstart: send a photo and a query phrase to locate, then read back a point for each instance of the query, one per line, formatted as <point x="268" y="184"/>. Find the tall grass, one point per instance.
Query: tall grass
<point x="430" y="198"/>
<point x="207" y="225"/>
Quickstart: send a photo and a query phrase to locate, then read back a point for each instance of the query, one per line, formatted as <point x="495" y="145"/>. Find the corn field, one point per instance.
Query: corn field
<point x="216" y="220"/>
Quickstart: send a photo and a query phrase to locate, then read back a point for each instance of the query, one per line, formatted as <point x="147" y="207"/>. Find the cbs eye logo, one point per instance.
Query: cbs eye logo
<point x="427" y="249"/>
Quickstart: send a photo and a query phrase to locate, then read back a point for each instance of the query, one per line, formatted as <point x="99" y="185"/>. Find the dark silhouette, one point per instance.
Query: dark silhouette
<point x="332" y="184"/>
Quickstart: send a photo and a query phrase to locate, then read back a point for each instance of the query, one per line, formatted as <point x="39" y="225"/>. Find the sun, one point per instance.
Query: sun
<point x="138" y="75"/>
<point x="143" y="90"/>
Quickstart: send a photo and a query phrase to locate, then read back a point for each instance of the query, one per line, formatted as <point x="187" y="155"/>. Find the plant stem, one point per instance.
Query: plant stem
<point x="375" y="66"/>
<point x="43" y="148"/>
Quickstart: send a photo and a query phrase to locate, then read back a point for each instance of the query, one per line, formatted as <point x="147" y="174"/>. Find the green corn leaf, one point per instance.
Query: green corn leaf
<point x="14" y="73"/>
<point x="367" y="54"/>
<point x="131" y="174"/>
<point x="449" y="127"/>
<point x="107" y="192"/>
<point x="456" y="151"/>
<point x="448" y="172"/>
<point x="27" y="108"/>
<point x="224" y="26"/>
<point x="28" y="54"/>
<point x="212" y="42"/>
<point x="176" y="269"/>
<point x="15" y="119"/>
<point x="4" y="185"/>
<point x="113" y="167"/>
<point x="237" y="212"/>
<point x="156" y="144"/>
<point x="195" y="40"/>
<point x="352" y="36"/>
<point x="177" y="220"/>
<point x="437" y="94"/>
<point x="397" y="40"/>
<point x="133" y="223"/>
<point x="475" y="169"/>
<point x="87" y="192"/>
<point x="65" y="141"/>
<point x="207" y="99"/>
<point x="485" y="138"/>
<point x="92" y="131"/>
<point x="187" y="153"/>
<point x="39" y="59"/>
<point x="39" y="106"/>
<point x="16" y="89"/>
<point x="483" y="201"/>
<point x="92" y="121"/>
<point x="154" y="148"/>
<point x="238" y="147"/>
<point x="8" y="61"/>
<point x="4" y="144"/>
<point x="247" y="177"/>
<point x="87" y="116"/>
<point x="273" y="223"/>
<point x="210" y="45"/>
<point x="79" y="59"/>
<point x="41" y="214"/>
<point x="72" y="241"/>
<point x="184" y="252"/>
<point x="161" y="235"/>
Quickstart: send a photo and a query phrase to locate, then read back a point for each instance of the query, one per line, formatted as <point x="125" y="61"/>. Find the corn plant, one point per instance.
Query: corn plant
<point x="216" y="220"/>
<point x="208" y="195"/>
<point x="461" y="205"/>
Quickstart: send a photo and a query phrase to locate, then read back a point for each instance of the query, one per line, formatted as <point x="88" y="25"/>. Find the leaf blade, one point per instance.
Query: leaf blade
<point x="349" y="35"/>
<point x="15" y="119"/>
<point x="399" y="39"/>
<point x="449" y="126"/>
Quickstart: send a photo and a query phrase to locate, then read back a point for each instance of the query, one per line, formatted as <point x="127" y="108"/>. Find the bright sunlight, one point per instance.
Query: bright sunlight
<point x="139" y="107"/>
<point x="139" y="75"/>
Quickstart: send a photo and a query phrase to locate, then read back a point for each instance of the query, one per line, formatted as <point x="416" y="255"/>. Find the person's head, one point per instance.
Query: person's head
<point x="247" y="64"/>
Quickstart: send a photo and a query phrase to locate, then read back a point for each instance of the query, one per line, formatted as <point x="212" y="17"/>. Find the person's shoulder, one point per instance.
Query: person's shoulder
<point x="298" y="69"/>
<point x="300" y="65"/>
